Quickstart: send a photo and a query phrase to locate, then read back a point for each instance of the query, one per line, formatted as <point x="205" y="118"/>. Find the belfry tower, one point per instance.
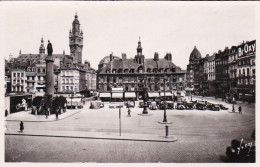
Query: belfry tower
<point x="42" y="49"/>
<point x="76" y="41"/>
<point x="139" y="57"/>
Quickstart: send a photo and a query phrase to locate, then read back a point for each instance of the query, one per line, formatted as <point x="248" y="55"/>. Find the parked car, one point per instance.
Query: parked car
<point x="168" y="105"/>
<point x="222" y="107"/>
<point x="181" y="105"/>
<point x="201" y="105"/>
<point x="141" y="104"/>
<point x="212" y="106"/>
<point x="96" y="104"/>
<point x="130" y="104"/>
<point x="190" y="105"/>
<point x="230" y="100"/>
<point x="241" y="150"/>
<point x="153" y="106"/>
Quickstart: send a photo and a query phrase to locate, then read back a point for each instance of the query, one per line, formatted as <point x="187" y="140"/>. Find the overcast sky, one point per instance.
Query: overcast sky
<point x="116" y="26"/>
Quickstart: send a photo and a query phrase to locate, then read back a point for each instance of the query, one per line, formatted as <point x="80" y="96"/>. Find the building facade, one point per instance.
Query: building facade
<point x="227" y="72"/>
<point x="66" y="68"/>
<point x="135" y="74"/>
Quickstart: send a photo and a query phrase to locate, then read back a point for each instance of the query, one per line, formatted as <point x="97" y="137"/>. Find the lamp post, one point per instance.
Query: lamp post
<point x="145" y="111"/>
<point x="164" y="115"/>
<point x="233" y="108"/>
<point x="72" y="94"/>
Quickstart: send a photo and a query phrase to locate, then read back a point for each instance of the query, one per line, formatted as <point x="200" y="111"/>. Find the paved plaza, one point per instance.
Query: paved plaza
<point x="92" y="135"/>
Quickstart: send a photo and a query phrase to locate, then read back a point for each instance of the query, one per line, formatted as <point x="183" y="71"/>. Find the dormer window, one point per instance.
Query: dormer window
<point x="125" y="70"/>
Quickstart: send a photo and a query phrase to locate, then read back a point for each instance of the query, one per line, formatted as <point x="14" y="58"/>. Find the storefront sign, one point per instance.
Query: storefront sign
<point x="247" y="48"/>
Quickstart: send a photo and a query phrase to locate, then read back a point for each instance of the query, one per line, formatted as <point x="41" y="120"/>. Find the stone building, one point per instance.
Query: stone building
<point x="246" y="75"/>
<point x="194" y="60"/>
<point x="135" y="74"/>
<point x="34" y="68"/>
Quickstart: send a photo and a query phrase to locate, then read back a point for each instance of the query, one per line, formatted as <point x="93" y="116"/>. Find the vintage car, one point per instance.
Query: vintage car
<point x="141" y="104"/>
<point x="212" y="106"/>
<point x="181" y="105"/>
<point x="129" y="104"/>
<point x="222" y="107"/>
<point x="201" y="105"/>
<point x="230" y="100"/>
<point x="241" y="150"/>
<point x="153" y="106"/>
<point x="167" y="104"/>
<point x="96" y="104"/>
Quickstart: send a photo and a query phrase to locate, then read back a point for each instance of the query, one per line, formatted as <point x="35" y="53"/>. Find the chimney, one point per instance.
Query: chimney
<point x="168" y="56"/>
<point x="156" y="56"/>
<point x="123" y="56"/>
<point x="111" y="56"/>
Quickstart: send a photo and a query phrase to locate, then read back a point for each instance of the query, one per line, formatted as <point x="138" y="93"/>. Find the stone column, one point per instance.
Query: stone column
<point x="49" y="76"/>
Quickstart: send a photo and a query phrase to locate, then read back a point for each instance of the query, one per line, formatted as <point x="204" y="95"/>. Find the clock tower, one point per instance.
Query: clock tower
<point x="76" y="41"/>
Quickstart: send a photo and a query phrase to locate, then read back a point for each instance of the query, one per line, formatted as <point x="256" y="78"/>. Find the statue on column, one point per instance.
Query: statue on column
<point x="49" y="48"/>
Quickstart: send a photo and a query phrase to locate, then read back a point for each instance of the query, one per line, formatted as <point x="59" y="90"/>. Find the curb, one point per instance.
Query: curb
<point x="104" y="138"/>
<point x="48" y="120"/>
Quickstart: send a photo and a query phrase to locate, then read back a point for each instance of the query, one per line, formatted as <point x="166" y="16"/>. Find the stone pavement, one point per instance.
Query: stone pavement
<point x="26" y="116"/>
<point x="94" y="135"/>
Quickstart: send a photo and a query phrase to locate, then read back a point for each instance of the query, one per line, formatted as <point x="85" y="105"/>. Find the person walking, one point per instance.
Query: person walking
<point x="129" y="112"/>
<point x="240" y="109"/>
<point x="57" y="115"/>
<point x="21" y="126"/>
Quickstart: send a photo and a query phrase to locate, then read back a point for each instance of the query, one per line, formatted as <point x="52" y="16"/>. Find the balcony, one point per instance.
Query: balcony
<point x="30" y="80"/>
<point x="30" y="87"/>
<point x="41" y="82"/>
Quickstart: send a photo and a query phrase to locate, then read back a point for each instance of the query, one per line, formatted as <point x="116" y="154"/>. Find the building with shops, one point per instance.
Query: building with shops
<point x="194" y="60"/>
<point x="139" y="73"/>
<point x="246" y="70"/>
<point x="70" y="75"/>
<point x="225" y="73"/>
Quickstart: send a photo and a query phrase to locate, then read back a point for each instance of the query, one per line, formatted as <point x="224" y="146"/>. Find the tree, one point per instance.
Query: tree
<point x="59" y="103"/>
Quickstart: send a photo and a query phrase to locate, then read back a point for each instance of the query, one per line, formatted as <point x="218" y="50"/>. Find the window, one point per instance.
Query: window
<point x="18" y="74"/>
<point x="248" y="71"/>
<point x="244" y="72"/>
<point x="22" y="74"/>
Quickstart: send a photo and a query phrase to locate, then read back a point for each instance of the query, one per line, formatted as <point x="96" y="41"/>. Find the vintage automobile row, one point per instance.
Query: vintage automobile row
<point x="182" y="105"/>
<point x="154" y="105"/>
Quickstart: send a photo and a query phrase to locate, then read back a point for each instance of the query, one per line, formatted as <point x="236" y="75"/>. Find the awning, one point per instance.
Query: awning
<point x="117" y="90"/>
<point x="117" y="95"/>
<point x="166" y="94"/>
<point x="104" y="95"/>
<point x="130" y="95"/>
<point x="153" y="94"/>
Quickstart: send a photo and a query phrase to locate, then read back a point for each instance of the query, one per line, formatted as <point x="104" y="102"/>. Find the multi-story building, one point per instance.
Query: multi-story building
<point x="135" y="74"/>
<point x="246" y="70"/>
<point x="222" y="75"/>
<point x="34" y="67"/>
<point x="194" y="60"/>
<point x="18" y="80"/>
<point x="228" y="72"/>
<point x="232" y="69"/>
<point x="211" y="74"/>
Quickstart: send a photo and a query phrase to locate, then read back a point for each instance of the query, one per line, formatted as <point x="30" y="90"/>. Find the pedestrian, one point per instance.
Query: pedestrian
<point x="240" y="109"/>
<point x="129" y="112"/>
<point x="21" y="126"/>
<point x="6" y="113"/>
<point x="57" y="115"/>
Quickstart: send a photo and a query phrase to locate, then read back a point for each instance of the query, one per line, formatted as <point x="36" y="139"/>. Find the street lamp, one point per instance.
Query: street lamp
<point x="233" y="108"/>
<point x="145" y="111"/>
<point x="72" y="94"/>
<point x="164" y="115"/>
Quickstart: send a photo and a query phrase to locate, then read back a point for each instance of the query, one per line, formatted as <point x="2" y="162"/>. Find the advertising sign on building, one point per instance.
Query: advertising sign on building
<point x="247" y="48"/>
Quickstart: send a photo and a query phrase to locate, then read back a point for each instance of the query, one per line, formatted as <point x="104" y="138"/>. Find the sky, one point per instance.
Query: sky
<point x="163" y="27"/>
